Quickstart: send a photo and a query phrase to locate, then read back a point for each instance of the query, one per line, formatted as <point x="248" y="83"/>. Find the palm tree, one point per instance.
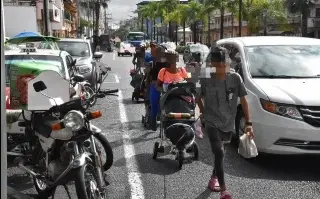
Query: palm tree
<point x="302" y="7"/>
<point x="196" y="13"/>
<point x="180" y="16"/>
<point x="145" y="13"/>
<point x="150" y="12"/>
<point x="222" y="6"/>
<point x="274" y="10"/>
<point x="167" y="7"/>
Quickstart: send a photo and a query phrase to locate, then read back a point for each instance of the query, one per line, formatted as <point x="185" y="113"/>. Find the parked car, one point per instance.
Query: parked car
<point x="87" y="62"/>
<point x="191" y="52"/>
<point x="59" y="61"/>
<point x="282" y="77"/>
<point x="126" y="49"/>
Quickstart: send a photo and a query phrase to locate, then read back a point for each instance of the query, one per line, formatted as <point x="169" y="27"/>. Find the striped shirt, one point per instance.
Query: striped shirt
<point x="221" y="99"/>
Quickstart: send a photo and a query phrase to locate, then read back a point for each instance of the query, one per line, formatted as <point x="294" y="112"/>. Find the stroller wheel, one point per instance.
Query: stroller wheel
<point x="155" y="150"/>
<point x="132" y="97"/>
<point x="195" y="150"/>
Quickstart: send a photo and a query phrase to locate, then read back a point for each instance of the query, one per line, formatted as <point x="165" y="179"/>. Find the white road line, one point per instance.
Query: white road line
<point x="114" y="55"/>
<point x="134" y="178"/>
<point x="116" y="78"/>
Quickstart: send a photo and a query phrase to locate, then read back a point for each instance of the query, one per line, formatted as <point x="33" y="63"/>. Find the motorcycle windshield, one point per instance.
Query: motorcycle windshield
<point x="56" y="93"/>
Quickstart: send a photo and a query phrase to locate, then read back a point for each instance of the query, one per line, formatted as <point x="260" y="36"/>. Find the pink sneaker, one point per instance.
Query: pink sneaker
<point x="213" y="184"/>
<point x="225" y="195"/>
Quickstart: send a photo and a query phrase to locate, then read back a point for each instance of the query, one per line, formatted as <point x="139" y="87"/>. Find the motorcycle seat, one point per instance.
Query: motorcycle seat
<point x="13" y="116"/>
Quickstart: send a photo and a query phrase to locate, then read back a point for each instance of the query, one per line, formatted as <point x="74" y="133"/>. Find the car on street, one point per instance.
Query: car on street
<point x="193" y="50"/>
<point x="59" y="61"/>
<point x="282" y="77"/>
<point x="87" y="63"/>
<point x="126" y="49"/>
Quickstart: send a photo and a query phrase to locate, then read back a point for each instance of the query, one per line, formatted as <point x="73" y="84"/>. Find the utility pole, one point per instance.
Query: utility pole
<point x="46" y="18"/>
<point x="232" y="25"/>
<point x="109" y="18"/>
<point x="88" y="13"/>
<point x="240" y="17"/>
<point x="3" y="114"/>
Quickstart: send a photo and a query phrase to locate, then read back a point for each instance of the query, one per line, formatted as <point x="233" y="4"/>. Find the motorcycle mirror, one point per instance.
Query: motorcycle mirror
<point x="39" y="86"/>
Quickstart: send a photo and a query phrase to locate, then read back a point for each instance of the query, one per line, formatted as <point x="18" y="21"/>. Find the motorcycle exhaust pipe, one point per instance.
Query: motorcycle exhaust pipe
<point x="20" y="162"/>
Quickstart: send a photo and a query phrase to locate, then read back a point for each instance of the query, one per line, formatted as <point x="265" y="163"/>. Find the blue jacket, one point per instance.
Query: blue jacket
<point x="148" y="57"/>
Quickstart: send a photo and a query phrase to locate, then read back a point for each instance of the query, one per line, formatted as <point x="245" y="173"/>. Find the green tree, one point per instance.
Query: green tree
<point x="195" y="12"/>
<point x="254" y="13"/>
<point x="181" y="16"/>
<point x="222" y="6"/>
<point x="302" y="7"/>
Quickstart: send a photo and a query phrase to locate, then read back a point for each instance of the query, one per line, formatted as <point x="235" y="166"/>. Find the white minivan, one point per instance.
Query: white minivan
<point x="282" y="77"/>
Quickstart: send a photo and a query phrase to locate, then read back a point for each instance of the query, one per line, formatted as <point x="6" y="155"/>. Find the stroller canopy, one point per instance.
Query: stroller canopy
<point x="178" y="89"/>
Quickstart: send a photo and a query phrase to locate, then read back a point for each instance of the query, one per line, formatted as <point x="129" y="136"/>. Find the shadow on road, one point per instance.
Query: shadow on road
<point x="204" y="195"/>
<point x="17" y="180"/>
<point x="275" y="167"/>
<point x="129" y="101"/>
<point x="161" y="166"/>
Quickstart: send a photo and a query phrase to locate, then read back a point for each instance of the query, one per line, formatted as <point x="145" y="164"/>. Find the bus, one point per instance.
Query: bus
<point x="136" y="38"/>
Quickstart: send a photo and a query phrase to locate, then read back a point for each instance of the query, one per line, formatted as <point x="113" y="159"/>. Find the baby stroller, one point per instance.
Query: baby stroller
<point x="137" y="82"/>
<point x="177" y="117"/>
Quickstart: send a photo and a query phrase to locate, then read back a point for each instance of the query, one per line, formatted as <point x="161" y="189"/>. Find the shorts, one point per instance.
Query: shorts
<point x="216" y="135"/>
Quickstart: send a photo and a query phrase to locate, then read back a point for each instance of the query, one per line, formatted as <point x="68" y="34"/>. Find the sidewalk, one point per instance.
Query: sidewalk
<point x="14" y="194"/>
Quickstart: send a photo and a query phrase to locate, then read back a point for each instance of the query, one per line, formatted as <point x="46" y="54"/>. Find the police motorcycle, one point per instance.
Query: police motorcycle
<point x="65" y="148"/>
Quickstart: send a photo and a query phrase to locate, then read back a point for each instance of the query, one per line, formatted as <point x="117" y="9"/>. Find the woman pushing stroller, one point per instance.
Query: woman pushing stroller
<point x="164" y="72"/>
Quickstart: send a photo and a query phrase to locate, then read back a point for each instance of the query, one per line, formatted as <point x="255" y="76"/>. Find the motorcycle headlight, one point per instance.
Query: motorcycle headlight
<point x="284" y="110"/>
<point x="84" y="69"/>
<point x="74" y="120"/>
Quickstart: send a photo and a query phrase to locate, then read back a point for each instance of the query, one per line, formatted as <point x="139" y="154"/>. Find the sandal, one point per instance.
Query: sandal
<point x="213" y="184"/>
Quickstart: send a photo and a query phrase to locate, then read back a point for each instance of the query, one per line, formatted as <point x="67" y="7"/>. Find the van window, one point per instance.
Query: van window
<point x="283" y="61"/>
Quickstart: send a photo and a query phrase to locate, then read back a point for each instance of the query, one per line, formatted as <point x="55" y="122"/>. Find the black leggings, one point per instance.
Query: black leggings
<point x="216" y="138"/>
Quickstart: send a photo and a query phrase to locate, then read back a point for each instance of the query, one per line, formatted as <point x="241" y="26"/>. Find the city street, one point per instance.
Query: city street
<point x="135" y="174"/>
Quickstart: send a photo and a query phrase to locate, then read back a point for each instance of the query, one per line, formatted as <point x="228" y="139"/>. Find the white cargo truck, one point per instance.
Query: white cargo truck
<point x="19" y="19"/>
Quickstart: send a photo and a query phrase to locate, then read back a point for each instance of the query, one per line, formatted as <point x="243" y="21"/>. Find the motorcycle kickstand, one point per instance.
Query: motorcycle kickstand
<point x="105" y="179"/>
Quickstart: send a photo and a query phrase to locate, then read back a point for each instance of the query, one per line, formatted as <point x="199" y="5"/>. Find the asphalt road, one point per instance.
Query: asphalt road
<point x="136" y="175"/>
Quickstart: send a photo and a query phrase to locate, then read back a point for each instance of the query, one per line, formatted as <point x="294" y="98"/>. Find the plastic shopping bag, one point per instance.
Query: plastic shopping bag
<point x="198" y="128"/>
<point x="247" y="147"/>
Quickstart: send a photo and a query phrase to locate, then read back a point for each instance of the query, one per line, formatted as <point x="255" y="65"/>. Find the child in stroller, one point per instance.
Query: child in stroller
<point x="177" y="107"/>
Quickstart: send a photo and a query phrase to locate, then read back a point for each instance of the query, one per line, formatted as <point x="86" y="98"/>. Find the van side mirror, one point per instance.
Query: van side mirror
<point x="73" y="63"/>
<point x="39" y="86"/>
<point x="97" y="55"/>
<point x="237" y="57"/>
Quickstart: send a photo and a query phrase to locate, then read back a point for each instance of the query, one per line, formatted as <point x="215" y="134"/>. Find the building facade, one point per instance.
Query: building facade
<point x="314" y="20"/>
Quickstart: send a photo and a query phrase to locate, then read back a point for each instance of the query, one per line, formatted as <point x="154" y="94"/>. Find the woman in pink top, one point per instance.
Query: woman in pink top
<point x="171" y="73"/>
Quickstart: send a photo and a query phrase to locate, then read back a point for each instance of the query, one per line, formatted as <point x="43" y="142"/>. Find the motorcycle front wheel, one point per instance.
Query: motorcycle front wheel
<point x="86" y="183"/>
<point x="107" y="158"/>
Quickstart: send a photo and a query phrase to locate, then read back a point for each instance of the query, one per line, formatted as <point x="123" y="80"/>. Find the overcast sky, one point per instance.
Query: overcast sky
<point x="122" y="9"/>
